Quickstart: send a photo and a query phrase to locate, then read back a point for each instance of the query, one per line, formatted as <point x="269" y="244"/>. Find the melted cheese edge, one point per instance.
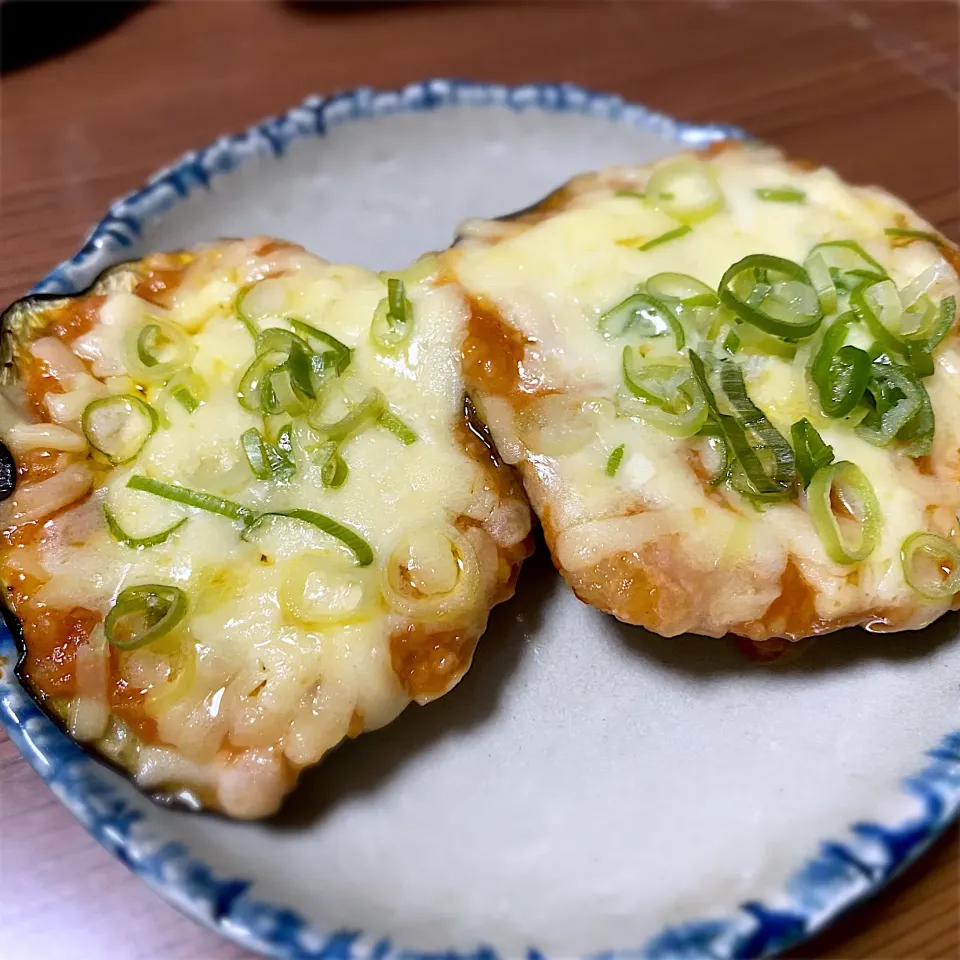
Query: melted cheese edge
<point x="268" y="686"/>
<point x="553" y="280"/>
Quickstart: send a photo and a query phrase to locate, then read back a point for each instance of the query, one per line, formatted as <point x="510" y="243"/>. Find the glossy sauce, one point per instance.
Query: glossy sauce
<point x="428" y="662"/>
<point x="492" y="353"/>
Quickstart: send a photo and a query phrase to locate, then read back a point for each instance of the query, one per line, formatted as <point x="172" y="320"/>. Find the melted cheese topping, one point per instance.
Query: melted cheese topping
<point x="246" y="691"/>
<point x="656" y="544"/>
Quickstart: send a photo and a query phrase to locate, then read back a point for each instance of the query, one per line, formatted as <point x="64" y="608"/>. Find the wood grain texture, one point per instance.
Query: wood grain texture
<point x="869" y="87"/>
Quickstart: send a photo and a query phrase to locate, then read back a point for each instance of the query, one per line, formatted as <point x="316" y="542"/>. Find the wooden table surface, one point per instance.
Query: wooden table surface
<point x="870" y="88"/>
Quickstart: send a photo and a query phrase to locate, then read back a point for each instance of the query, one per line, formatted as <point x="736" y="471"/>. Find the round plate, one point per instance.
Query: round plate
<point x="588" y="787"/>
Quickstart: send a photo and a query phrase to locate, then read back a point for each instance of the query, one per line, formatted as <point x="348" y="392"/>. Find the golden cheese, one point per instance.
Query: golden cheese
<point x="656" y="544"/>
<point x="289" y="644"/>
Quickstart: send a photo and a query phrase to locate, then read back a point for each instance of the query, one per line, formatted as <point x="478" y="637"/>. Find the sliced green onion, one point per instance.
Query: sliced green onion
<point x="268" y="462"/>
<point x="917" y="435"/>
<point x="392" y="322"/>
<point x="751" y="478"/>
<point x="662" y="395"/>
<point x="635" y="194"/>
<point x="809" y="449"/>
<point x="367" y="411"/>
<point x="643" y="315"/>
<point x="242" y="315"/>
<point x="928" y="339"/>
<point x="186" y="399"/>
<point x="149" y="344"/>
<point x="119" y="426"/>
<point x="931" y="565"/>
<point x="192" y="498"/>
<point x="781" y="194"/>
<point x="255" y="392"/>
<point x="280" y="340"/>
<point x="333" y="468"/>
<point x="914" y="235"/>
<point x="849" y="264"/>
<point x="349" y="538"/>
<point x="390" y="421"/>
<point x="822" y="282"/>
<point x="840" y="372"/>
<point x="187" y="389"/>
<point x="686" y="189"/>
<point x="879" y="307"/>
<point x="901" y="409"/>
<point x="155" y="350"/>
<point x="681" y="288"/>
<point x="614" y="461"/>
<point x="281" y="395"/>
<point x="138" y="543"/>
<point x="846" y="541"/>
<point x="773" y="294"/>
<point x="674" y="234"/>
<point x="654" y="382"/>
<point x="768" y="441"/>
<point x="714" y="438"/>
<point x="341" y="354"/>
<point x="143" y="614"/>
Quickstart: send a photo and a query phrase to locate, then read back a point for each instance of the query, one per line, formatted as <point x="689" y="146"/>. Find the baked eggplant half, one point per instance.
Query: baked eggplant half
<point x="731" y="384"/>
<point x="252" y="514"/>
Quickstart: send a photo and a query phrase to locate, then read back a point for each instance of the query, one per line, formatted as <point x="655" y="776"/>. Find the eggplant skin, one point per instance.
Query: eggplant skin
<point x="25" y="319"/>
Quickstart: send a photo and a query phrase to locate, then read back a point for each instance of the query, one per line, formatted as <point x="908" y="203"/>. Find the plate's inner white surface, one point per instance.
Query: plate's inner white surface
<point x="587" y="783"/>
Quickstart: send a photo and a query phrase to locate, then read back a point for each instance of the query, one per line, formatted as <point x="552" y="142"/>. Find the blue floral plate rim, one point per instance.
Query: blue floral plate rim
<point x="841" y="874"/>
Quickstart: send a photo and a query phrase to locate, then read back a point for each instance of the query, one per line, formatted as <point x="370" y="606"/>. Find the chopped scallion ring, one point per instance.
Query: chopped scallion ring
<point x="367" y="411"/>
<point x="192" y="498"/>
<point x="685" y="188"/>
<point x="662" y="395"/>
<point x="119" y="426"/>
<point x="680" y="288"/>
<point x="749" y="473"/>
<point x="643" y="316"/>
<point x="781" y="194"/>
<point x="849" y="264"/>
<point x="931" y="565"/>
<point x="840" y="372"/>
<point x="773" y="294"/>
<point x="138" y="543"/>
<point x="900" y="409"/>
<point x="809" y="449"/>
<point x="268" y="462"/>
<point x="333" y="468"/>
<point x="674" y="234"/>
<point x="155" y="350"/>
<point x="392" y="322"/>
<point x="187" y="390"/>
<point x="143" y="614"/>
<point x="851" y="538"/>
<point x="361" y="550"/>
<point x="341" y="354"/>
<point x="819" y="274"/>
<point x="614" y="460"/>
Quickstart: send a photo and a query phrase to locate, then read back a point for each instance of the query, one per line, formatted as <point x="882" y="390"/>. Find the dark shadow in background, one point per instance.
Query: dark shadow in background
<point x="362" y="766"/>
<point x="31" y="30"/>
<point x="704" y="657"/>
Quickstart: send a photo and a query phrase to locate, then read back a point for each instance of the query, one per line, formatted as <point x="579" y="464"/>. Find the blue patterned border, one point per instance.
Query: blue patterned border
<point x="839" y="876"/>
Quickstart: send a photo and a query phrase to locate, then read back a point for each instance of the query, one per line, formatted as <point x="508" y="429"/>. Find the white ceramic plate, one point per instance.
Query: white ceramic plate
<point x="588" y="787"/>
